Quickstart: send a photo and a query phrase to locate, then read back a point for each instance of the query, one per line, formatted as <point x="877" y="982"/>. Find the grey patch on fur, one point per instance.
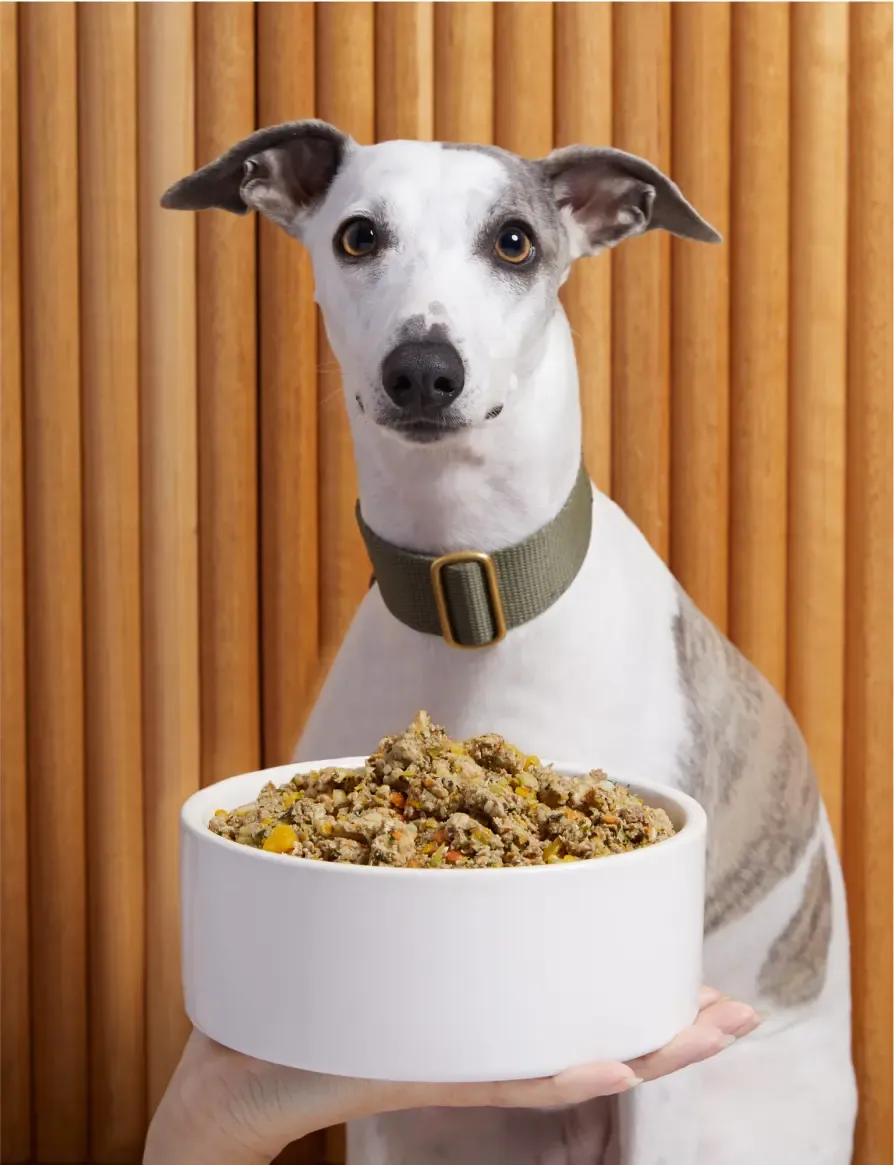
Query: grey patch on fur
<point x="747" y="764"/>
<point x="794" y="972"/>
<point x="415" y="329"/>
<point x="501" y="155"/>
<point x="527" y="199"/>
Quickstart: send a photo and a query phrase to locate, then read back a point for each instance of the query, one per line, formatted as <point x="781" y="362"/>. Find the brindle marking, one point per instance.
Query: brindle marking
<point x="747" y="764"/>
<point x="794" y="972"/>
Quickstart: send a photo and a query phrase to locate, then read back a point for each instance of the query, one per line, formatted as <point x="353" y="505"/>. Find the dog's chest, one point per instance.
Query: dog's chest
<point x="593" y="680"/>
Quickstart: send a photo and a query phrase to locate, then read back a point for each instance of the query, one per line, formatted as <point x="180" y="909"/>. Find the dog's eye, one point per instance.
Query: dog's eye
<point x="513" y="245"/>
<point x="359" y="239"/>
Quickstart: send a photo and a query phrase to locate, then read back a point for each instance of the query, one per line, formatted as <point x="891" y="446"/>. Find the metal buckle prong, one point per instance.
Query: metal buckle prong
<point x="493" y="592"/>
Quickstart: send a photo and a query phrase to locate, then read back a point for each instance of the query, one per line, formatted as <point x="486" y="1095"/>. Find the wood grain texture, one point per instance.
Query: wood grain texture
<point x="94" y="275"/>
<point x="169" y="496"/>
<point x="699" y="522"/>
<point x="759" y="285"/>
<point x="15" y="1001"/>
<point x="523" y="77"/>
<point x="868" y="695"/>
<point x="817" y="387"/>
<point x="288" y="407"/>
<point x="404" y="70"/>
<point x="51" y="395"/>
<point x="464" y="72"/>
<point x="583" y="115"/>
<point x="227" y="408"/>
<point x="107" y="108"/>
<point x="345" y="96"/>
<point x="641" y="280"/>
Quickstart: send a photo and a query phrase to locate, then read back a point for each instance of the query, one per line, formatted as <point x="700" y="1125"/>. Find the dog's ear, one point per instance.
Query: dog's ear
<point x="608" y="196"/>
<point x="282" y="171"/>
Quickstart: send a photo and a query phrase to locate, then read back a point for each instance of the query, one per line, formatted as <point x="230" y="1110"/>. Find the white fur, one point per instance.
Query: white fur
<point x="595" y="675"/>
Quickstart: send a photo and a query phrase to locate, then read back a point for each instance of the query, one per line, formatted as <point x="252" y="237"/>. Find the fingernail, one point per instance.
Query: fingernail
<point x="632" y="1082"/>
<point x="761" y="1016"/>
<point x="727" y="1041"/>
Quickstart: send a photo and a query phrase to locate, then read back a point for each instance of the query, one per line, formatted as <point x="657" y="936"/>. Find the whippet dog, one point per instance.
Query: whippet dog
<point x="437" y="269"/>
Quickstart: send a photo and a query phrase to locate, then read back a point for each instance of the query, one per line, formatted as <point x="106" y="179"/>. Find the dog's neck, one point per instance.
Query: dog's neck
<point x="488" y="489"/>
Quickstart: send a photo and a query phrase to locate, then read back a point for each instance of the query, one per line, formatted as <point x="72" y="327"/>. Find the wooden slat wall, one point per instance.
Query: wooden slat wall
<point x="169" y="503"/>
<point x="868" y="536"/>
<point x="54" y="598"/>
<point x="759" y="285"/>
<point x="178" y="547"/>
<point x="110" y="386"/>
<point x="15" y="987"/>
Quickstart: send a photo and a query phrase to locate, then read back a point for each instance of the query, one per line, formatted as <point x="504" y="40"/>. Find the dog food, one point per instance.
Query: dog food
<point x="424" y="800"/>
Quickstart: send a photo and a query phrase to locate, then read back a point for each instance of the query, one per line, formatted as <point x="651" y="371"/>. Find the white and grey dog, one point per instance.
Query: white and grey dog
<point x="437" y="270"/>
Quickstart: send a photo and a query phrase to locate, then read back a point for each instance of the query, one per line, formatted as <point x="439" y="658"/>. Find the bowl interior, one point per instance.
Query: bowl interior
<point x="686" y="814"/>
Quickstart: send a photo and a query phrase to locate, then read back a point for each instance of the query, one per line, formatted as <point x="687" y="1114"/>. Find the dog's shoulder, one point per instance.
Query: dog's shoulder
<point x="745" y="760"/>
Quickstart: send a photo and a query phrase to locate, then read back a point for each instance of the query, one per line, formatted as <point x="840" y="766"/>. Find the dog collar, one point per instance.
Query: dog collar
<point x="472" y="599"/>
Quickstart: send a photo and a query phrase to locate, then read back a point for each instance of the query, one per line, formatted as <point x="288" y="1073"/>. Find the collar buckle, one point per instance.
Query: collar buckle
<point x="493" y="592"/>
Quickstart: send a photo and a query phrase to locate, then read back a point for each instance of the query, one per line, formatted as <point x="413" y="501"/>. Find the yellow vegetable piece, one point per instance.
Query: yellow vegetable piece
<point x="220" y="812"/>
<point x="281" y="840"/>
<point x="552" y="849"/>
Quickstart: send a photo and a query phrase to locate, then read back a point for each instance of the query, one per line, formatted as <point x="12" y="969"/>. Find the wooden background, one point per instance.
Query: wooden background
<point x="178" y="546"/>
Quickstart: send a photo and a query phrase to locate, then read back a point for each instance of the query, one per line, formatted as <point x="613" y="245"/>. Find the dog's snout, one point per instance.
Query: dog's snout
<point x="423" y="376"/>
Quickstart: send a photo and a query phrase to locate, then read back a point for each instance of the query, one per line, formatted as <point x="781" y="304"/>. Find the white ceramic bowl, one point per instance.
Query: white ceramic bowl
<point x="439" y="975"/>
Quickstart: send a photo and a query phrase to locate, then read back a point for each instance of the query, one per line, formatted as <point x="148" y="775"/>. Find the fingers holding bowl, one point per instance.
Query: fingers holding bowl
<point x="719" y="1024"/>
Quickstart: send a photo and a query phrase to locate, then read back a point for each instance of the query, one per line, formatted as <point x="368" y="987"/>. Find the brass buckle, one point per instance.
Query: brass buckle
<point x="493" y="593"/>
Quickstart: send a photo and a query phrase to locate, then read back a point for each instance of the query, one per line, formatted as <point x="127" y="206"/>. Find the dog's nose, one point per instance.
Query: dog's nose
<point x="423" y="376"/>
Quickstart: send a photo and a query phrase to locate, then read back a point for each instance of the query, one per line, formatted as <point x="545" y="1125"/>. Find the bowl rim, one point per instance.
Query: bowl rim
<point x="194" y="822"/>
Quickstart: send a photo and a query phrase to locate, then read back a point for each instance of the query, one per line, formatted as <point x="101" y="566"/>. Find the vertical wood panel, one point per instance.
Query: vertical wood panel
<point x="345" y="97"/>
<point x="404" y="71"/>
<point x="131" y="411"/>
<point x="51" y="395"/>
<point x="227" y="417"/>
<point x="523" y="64"/>
<point x="107" y="146"/>
<point x="700" y="311"/>
<point x="288" y="407"/>
<point x="169" y="495"/>
<point x="817" y="387"/>
<point x="641" y="280"/>
<point x="584" y="116"/>
<point x="759" y="341"/>
<point x="15" y="1003"/>
<point x="868" y="744"/>
<point x="464" y="72"/>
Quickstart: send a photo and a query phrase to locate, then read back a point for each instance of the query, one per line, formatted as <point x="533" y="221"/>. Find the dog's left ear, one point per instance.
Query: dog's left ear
<point x="608" y="196"/>
<point x="282" y="172"/>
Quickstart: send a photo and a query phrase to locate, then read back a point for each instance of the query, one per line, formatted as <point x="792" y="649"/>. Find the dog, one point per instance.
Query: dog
<point x="437" y="269"/>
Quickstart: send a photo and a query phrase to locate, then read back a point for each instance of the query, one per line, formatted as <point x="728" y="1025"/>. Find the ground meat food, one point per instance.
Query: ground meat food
<point x="423" y="800"/>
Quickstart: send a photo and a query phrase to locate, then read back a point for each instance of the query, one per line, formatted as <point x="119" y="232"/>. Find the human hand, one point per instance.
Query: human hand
<point x="228" y="1109"/>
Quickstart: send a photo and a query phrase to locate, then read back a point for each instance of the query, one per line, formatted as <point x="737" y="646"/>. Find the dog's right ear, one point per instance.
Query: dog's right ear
<point x="282" y="171"/>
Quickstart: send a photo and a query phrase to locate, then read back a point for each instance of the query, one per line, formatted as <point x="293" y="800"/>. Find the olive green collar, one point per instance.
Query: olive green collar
<point x="472" y="599"/>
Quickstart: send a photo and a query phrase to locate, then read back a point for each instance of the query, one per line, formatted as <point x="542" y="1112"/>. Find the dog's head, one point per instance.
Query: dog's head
<point x="437" y="266"/>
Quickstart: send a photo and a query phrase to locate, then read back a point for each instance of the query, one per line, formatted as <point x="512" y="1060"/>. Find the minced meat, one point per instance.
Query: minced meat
<point x="423" y="800"/>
